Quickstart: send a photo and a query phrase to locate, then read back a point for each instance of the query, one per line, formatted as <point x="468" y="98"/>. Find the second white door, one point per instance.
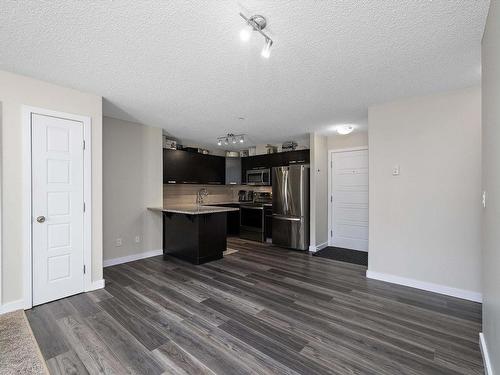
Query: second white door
<point x="349" y="206"/>
<point x="57" y="207"/>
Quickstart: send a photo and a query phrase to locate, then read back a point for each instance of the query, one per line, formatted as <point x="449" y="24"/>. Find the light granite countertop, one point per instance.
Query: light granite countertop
<point x="193" y="209"/>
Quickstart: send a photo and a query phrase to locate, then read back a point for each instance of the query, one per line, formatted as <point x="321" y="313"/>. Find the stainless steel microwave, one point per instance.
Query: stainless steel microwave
<point x="259" y="177"/>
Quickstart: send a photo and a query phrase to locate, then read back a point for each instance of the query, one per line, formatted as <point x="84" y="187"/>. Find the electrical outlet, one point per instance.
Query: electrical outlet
<point x="137" y="239"/>
<point x="118" y="242"/>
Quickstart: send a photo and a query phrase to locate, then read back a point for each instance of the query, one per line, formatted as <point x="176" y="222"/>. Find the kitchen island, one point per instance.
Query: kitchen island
<point x="194" y="233"/>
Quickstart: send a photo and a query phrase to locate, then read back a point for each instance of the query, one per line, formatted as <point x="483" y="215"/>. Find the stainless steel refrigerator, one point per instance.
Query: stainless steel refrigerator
<point x="290" y="220"/>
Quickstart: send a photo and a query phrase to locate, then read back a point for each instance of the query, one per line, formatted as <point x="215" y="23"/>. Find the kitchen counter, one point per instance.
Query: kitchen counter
<point x="193" y="209"/>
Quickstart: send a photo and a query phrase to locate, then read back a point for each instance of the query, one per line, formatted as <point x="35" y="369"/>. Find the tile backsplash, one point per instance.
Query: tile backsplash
<point x="186" y="194"/>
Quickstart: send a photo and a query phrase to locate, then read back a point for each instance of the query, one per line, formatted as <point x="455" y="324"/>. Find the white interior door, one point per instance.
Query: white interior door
<point x="349" y="200"/>
<point x="57" y="207"/>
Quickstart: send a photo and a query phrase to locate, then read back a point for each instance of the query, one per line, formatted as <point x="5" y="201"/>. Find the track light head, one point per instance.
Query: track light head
<point x="245" y="34"/>
<point x="266" y="51"/>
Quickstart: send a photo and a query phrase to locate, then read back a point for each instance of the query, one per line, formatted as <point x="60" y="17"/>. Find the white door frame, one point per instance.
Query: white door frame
<point x="330" y="187"/>
<point x="27" y="111"/>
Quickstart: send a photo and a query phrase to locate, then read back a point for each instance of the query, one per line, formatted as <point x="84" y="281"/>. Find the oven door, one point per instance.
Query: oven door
<point x="252" y="218"/>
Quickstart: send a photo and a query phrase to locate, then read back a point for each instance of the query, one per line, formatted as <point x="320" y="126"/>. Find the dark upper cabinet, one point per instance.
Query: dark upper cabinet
<point x="212" y="169"/>
<point x="182" y="167"/>
<point x="295" y="157"/>
<point x="273" y="160"/>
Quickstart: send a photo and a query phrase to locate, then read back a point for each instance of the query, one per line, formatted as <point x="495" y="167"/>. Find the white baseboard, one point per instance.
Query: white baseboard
<point x="98" y="284"/>
<point x="488" y="368"/>
<point x="431" y="287"/>
<point x="20" y="304"/>
<point x="314" y="248"/>
<point x="12" y="306"/>
<point x="131" y="258"/>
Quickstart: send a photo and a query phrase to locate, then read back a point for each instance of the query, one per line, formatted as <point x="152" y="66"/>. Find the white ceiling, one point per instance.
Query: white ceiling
<point x="180" y="65"/>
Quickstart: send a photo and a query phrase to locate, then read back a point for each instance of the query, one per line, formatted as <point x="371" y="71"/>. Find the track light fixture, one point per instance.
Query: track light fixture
<point x="231" y="138"/>
<point x="256" y="23"/>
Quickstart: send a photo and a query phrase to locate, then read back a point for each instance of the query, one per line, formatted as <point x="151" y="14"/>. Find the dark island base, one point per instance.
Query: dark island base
<point x="197" y="239"/>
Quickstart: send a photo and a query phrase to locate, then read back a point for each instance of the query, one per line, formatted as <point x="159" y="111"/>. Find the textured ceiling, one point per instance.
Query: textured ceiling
<point x="180" y="65"/>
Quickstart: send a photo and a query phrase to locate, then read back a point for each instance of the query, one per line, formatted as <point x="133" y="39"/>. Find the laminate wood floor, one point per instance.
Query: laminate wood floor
<point x="261" y="310"/>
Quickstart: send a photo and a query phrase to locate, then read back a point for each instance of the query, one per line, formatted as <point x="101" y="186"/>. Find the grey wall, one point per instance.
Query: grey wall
<point x="425" y="223"/>
<point x="318" y="191"/>
<point x="132" y="181"/>
<point x="491" y="184"/>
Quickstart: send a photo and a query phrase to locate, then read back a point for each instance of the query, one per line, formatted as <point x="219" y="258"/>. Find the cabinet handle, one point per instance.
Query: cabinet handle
<point x="171" y="182"/>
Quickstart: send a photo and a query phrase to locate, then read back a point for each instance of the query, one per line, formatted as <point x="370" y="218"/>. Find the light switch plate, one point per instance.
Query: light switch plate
<point x="118" y="242"/>
<point x="395" y="170"/>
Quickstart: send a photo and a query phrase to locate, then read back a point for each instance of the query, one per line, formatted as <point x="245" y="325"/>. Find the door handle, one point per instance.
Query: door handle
<point x="40" y="219"/>
<point x="286" y="218"/>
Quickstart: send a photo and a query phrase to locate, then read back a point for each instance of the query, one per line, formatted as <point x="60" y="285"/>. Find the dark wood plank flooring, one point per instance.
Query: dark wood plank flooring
<point x="261" y="310"/>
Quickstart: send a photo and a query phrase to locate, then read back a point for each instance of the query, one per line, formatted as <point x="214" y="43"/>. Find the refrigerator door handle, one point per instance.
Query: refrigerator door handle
<point x="285" y="185"/>
<point x="286" y="218"/>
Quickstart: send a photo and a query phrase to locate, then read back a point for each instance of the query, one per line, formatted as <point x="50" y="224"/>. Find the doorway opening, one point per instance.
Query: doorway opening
<point x="348" y="205"/>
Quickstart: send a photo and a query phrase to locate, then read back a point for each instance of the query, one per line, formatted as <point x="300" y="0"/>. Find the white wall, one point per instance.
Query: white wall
<point x="491" y="184"/>
<point x="355" y="139"/>
<point x="132" y="181"/>
<point x="318" y="192"/>
<point x="16" y="91"/>
<point x="425" y="223"/>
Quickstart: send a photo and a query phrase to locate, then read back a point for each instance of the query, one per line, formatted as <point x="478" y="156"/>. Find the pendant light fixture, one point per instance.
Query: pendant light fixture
<point x="256" y="23"/>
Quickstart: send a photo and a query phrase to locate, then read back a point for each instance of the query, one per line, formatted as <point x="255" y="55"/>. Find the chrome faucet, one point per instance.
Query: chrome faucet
<point x="202" y="193"/>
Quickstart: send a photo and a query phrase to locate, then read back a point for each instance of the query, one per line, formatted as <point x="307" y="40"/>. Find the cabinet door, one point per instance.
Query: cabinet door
<point x="233" y="171"/>
<point x="295" y="157"/>
<point x="214" y="169"/>
<point x="244" y="167"/>
<point x="183" y="167"/>
<point x="176" y="167"/>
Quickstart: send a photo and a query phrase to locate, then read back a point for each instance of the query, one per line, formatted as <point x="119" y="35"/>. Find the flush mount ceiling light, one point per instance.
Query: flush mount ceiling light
<point x="256" y="23"/>
<point x="231" y="138"/>
<point x="345" y="129"/>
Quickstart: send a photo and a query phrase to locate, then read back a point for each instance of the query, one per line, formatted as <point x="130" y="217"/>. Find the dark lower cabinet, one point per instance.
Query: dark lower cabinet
<point x="268" y="222"/>
<point x="197" y="239"/>
<point x="233" y="219"/>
